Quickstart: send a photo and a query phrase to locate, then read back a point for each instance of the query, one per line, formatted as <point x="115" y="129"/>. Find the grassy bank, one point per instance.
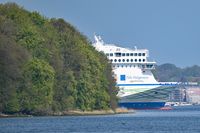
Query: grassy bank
<point x="74" y="113"/>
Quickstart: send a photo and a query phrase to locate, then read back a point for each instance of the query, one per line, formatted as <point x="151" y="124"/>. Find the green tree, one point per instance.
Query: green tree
<point x="36" y="92"/>
<point x="50" y="65"/>
<point x="12" y="56"/>
<point x="65" y="93"/>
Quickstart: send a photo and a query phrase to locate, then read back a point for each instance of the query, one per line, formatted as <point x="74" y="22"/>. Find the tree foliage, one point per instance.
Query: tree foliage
<point x="48" y="65"/>
<point x="169" y="72"/>
<point x="36" y="90"/>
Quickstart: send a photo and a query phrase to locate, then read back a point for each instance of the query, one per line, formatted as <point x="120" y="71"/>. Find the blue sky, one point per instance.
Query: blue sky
<point x="170" y="29"/>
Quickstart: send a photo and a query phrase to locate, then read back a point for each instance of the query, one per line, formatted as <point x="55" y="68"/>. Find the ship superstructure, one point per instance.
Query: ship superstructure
<point x="132" y="71"/>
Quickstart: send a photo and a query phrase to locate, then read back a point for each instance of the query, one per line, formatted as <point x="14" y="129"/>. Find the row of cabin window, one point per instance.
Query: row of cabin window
<point x="125" y="54"/>
<point x="128" y="66"/>
<point x="143" y="66"/>
<point x="127" y="60"/>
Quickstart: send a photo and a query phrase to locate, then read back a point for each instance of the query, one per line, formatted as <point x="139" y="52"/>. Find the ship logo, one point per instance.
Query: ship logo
<point x="122" y="77"/>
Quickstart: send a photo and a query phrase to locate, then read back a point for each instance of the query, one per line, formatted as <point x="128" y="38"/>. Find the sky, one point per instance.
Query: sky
<point x="169" y="29"/>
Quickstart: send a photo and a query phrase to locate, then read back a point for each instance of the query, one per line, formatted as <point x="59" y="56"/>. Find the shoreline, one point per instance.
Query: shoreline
<point x="97" y="112"/>
<point x="74" y="113"/>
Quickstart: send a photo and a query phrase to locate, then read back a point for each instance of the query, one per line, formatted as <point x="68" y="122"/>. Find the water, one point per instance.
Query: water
<point x="178" y="120"/>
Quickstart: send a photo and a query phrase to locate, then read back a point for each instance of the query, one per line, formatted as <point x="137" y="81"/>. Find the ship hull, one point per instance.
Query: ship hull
<point x="151" y="99"/>
<point x="142" y="105"/>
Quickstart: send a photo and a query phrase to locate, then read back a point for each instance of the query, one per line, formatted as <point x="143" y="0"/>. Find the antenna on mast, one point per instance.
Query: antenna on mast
<point x="135" y="47"/>
<point x="98" y="39"/>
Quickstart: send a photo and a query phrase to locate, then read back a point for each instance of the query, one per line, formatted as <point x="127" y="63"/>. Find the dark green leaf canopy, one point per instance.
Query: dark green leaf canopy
<point x="47" y="65"/>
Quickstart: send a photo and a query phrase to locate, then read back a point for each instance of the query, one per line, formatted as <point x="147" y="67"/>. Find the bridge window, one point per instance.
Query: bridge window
<point x="127" y="60"/>
<point x="131" y="60"/>
<point x="119" y="60"/>
<point x="107" y="54"/>
<point x="139" y="54"/>
<point x="131" y="54"/>
<point x="149" y="65"/>
<point x="135" y="54"/>
<point x="123" y="54"/>
<point x="115" y="60"/>
<point x="143" y="60"/>
<point x="111" y="60"/>
<point x="135" y="60"/>
<point x="111" y="54"/>
<point x="127" y="54"/>
<point x="139" y="60"/>
<point x="143" y="66"/>
<point x="118" y="54"/>
<point x="123" y="60"/>
<point x="143" y="54"/>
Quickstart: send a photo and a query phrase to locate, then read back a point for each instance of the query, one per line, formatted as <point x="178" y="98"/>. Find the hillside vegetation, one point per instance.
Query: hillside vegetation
<point x="46" y="65"/>
<point x="169" y="72"/>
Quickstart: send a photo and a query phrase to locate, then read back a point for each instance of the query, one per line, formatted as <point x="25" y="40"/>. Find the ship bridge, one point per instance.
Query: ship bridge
<point x="125" y="57"/>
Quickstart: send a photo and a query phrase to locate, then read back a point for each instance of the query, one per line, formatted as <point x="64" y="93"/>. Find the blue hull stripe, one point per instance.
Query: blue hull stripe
<point x="146" y="84"/>
<point x="142" y="105"/>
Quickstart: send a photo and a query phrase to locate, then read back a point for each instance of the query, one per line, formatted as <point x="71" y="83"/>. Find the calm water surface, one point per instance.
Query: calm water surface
<point x="178" y="120"/>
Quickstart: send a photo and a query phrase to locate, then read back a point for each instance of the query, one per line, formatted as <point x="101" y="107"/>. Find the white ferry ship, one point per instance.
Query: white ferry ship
<point x="138" y="88"/>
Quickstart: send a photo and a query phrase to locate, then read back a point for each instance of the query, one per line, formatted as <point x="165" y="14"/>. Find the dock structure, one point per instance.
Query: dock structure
<point x="188" y="93"/>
